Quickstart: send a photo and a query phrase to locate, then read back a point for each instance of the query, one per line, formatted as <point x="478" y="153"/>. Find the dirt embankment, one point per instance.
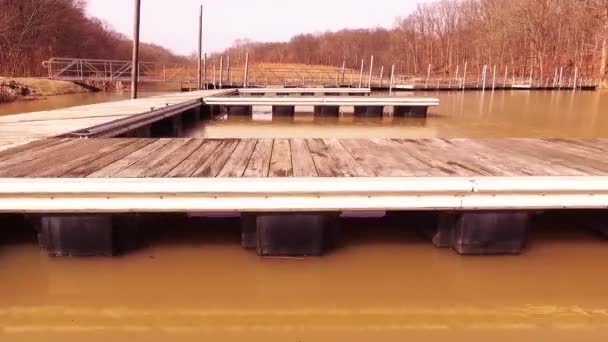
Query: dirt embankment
<point x="14" y="89"/>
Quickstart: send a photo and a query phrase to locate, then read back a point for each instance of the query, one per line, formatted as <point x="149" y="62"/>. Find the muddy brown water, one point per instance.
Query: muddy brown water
<point x="191" y="280"/>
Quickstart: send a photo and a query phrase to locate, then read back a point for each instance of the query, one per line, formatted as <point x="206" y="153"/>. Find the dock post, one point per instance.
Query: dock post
<point x="457" y="79"/>
<point x="177" y="125"/>
<point x="369" y="111"/>
<point x="561" y="74"/>
<point x="411" y="112"/>
<point x="428" y="77"/>
<point x="575" y="78"/>
<point x="294" y="234"/>
<point x="361" y="73"/>
<point x="283" y="111"/>
<point x="229" y="79"/>
<point x="87" y="235"/>
<point x="371" y="70"/>
<point x="214" y="75"/>
<point x="200" y="49"/>
<point x="494" y="79"/>
<point x="504" y="84"/>
<point x="246" y="72"/>
<point x="343" y="71"/>
<point x="240" y="110"/>
<point x="392" y="81"/>
<point x="381" y="76"/>
<point x="482" y="233"/>
<point x="327" y="111"/>
<point x="464" y="76"/>
<point x="135" y="62"/>
<point x="221" y="71"/>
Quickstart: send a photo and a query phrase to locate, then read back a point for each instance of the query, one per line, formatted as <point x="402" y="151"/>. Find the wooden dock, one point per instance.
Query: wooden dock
<point x="97" y="175"/>
<point x="65" y="171"/>
<point x="21" y="129"/>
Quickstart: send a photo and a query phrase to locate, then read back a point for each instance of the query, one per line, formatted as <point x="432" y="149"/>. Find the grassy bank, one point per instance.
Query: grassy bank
<point x="14" y="89"/>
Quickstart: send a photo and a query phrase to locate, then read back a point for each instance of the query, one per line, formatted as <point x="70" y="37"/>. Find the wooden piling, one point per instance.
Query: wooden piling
<point x="221" y="71"/>
<point x="371" y="70"/>
<point x="390" y="88"/>
<point x="135" y="62"/>
<point x="200" y="49"/>
<point x="361" y="74"/>
<point x="246" y="72"/>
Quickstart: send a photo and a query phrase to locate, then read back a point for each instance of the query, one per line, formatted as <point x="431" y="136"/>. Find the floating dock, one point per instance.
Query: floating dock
<point x="79" y="171"/>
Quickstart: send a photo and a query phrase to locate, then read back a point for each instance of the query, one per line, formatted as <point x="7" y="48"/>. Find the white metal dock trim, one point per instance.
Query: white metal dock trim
<point x="320" y="101"/>
<point x="300" y="194"/>
<point x="304" y="90"/>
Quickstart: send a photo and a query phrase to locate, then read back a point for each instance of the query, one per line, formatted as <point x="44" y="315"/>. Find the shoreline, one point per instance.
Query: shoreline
<point x="24" y="89"/>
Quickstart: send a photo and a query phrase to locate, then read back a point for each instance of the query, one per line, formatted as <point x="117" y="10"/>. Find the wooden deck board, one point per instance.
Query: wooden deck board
<point x="217" y="159"/>
<point x="303" y="165"/>
<point x="172" y="160"/>
<point x="237" y="163"/>
<point x="152" y="160"/>
<point x="259" y="163"/>
<point x="199" y="157"/>
<point x="280" y="161"/>
<point x="21" y="129"/>
<point x="234" y="158"/>
<point x="121" y="164"/>
<point x="87" y="169"/>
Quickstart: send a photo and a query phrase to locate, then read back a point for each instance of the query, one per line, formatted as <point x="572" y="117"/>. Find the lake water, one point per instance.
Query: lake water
<point x="192" y="281"/>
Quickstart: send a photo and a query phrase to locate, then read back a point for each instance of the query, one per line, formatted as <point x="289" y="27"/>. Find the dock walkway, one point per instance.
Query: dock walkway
<point x="21" y="129"/>
<point x="303" y="174"/>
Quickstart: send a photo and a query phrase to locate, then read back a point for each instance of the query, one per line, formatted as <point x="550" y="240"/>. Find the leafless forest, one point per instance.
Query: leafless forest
<point x="524" y="36"/>
<point x="34" y="30"/>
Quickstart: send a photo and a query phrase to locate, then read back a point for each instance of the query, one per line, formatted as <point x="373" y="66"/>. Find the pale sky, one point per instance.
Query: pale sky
<point x="174" y="24"/>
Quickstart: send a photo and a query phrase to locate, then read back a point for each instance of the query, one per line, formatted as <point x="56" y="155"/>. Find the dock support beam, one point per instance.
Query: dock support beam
<point x="240" y="110"/>
<point x="482" y="233"/>
<point x="177" y="126"/>
<point x="369" y="111"/>
<point x="283" y="110"/>
<point x="327" y="110"/>
<point x="87" y="235"/>
<point x="411" y="112"/>
<point x="293" y="234"/>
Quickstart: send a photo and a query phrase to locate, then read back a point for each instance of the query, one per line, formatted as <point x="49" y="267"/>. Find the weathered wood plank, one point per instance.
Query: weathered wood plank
<point x="172" y="160"/>
<point x="87" y="169"/>
<point x="344" y="160"/>
<point x="259" y="164"/>
<point x="280" y="162"/>
<point x="148" y="163"/>
<point x="37" y="153"/>
<point x="59" y="169"/>
<point x="52" y="159"/>
<point x="29" y="148"/>
<point x="121" y="164"/>
<point x="199" y="157"/>
<point x="303" y="165"/>
<point x="217" y="159"/>
<point x="325" y="164"/>
<point x="237" y="163"/>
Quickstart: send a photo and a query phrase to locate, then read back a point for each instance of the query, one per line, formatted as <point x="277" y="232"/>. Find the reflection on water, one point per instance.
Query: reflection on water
<point x="383" y="280"/>
<point x="64" y="101"/>
<point x="460" y="114"/>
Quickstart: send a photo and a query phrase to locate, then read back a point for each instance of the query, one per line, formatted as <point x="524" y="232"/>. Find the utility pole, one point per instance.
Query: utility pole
<point x="200" y="49"/>
<point x="135" y="64"/>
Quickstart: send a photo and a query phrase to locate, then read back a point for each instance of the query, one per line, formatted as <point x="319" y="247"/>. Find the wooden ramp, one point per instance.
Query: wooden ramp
<point x="97" y="175"/>
<point x="21" y="129"/>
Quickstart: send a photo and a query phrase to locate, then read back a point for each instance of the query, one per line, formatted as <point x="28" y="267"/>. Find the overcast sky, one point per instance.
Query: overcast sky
<point x="173" y="24"/>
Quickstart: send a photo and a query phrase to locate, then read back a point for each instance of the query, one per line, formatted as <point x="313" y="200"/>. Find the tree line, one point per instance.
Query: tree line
<point x="522" y="37"/>
<point x="32" y="31"/>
